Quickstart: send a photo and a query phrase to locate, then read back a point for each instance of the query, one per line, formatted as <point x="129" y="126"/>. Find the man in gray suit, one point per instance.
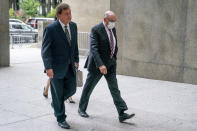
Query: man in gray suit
<point x="102" y="61"/>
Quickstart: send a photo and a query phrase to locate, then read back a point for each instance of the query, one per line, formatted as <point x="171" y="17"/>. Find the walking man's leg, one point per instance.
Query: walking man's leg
<point x="57" y="87"/>
<point x="57" y="93"/>
<point x="91" y="81"/>
<point x="116" y="95"/>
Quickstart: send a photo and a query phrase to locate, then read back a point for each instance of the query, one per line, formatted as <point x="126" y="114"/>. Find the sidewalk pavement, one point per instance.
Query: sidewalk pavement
<point x="158" y="105"/>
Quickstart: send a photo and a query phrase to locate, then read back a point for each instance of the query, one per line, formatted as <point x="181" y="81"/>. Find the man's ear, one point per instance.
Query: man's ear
<point x="105" y="20"/>
<point x="57" y="16"/>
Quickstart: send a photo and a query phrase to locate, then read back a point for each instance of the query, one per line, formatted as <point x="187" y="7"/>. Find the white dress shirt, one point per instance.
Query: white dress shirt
<point x="108" y="33"/>
<point x="63" y="27"/>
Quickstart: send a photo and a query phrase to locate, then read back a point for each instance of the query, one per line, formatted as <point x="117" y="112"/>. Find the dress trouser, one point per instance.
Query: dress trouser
<point x="62" y="89"/>
<point x="92" y="80"/>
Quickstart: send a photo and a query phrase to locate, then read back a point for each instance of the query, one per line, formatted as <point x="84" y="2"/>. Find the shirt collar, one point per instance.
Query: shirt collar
<point x="106" y="26"/>
<point x="63" y="25"/>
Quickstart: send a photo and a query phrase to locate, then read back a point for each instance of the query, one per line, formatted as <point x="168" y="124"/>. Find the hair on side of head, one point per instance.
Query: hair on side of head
<point x="61" y="7"/>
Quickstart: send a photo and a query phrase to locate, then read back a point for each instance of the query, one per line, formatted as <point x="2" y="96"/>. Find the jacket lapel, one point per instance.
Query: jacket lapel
<point x="61" y="32"/>
<point x="104" y="32"/>
<point x="72" y="33"/>
<point x="114" y="32"/>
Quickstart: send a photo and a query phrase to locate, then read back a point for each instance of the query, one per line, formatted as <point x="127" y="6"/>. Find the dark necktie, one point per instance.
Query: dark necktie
<point x="67" y="35"/>
<point x="111" y="43"/>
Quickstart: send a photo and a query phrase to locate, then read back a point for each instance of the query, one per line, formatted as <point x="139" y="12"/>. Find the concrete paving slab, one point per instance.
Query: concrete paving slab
<point x="158" y="105"/>
<point x="10" y="117"/>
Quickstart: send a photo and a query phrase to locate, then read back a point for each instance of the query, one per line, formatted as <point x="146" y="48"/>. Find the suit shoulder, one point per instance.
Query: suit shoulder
<point x="73" y="23"/>
<point x="51" y="26"/>
<point x="97" y="27"/>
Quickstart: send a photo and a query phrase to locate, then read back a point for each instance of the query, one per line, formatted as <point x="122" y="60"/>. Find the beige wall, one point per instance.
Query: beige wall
<point x="87" y="13"/>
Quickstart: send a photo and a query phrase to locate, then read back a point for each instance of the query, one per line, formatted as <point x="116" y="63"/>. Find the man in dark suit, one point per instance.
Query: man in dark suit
<point x="102" y="61"/>
<point x="60" y="58"/>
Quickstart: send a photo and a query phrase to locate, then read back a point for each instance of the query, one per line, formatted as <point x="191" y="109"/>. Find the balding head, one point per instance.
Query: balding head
<point x="109" y="17"/>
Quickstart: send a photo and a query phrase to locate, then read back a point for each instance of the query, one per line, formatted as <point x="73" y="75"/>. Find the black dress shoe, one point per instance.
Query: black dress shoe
<point x="125" y="116"/>
<point x="83" y="113"/>
<point x="45" y="95"/>
<point x="64" y="125"/>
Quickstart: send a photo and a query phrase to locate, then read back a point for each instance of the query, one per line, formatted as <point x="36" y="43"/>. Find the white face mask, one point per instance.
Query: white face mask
<point x="111" y="25"/>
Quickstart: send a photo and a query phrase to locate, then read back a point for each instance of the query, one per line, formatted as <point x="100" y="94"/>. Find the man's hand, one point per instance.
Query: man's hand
<point x="50" y="73"/>
<point x="76" y="65"/>
<point x="103" y="69"/>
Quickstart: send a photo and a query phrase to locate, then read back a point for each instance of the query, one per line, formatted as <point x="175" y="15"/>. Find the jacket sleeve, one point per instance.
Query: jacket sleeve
<point x="94" y="48"/>
<point x="76" y="53"/>
<point x="46" y="49"/>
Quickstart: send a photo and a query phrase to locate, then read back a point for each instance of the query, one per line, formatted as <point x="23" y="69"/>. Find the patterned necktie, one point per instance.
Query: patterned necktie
<point x="67" y="35"/>
<point x="111" y="43"/>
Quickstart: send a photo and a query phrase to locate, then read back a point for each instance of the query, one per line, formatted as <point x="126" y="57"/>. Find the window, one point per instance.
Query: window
<point x="17" y="26"/>
<point x="25" y="27"/>
<point x="31" y="21"/>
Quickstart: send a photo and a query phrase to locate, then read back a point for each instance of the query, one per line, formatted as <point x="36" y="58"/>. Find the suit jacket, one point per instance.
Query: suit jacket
<point x="100" y="48"/>
<point x="56" y="52"/>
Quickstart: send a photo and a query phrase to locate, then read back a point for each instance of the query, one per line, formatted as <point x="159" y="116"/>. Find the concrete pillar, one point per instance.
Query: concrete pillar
<point x="157" y="39"/>
<point x="190" y="56"/>
<point x="41" y="27"/>
<point x="4" y="33"/>
<point x="119" y="11"/>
